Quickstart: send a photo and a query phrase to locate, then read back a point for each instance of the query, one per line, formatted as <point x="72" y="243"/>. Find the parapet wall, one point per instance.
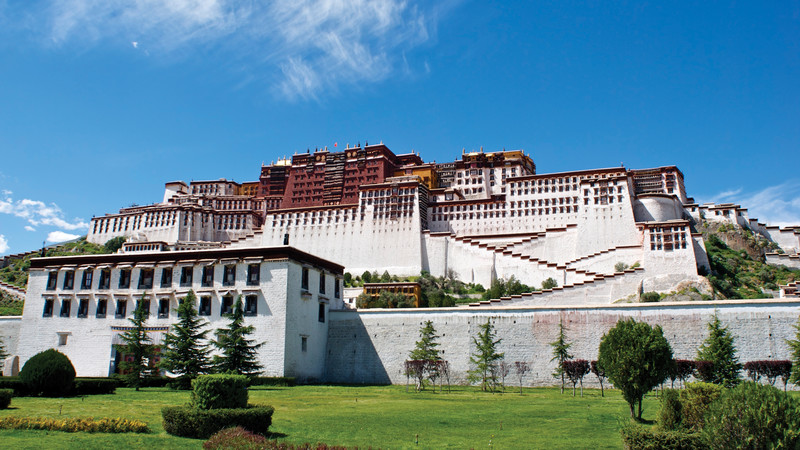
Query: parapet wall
<point x="371" y="346"/>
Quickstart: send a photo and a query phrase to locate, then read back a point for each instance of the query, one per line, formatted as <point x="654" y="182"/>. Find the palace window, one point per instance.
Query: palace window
<point x="145" y="278"/>
<point x="304" y="279"/>
<point x="253" y="274"/>
<point x="186" y="276"/>
<point x="251" y="305"/>
<point x="205" y="306"/>
<point x="105" y="279"/>
<point x="229" y="275"/>
<point x="145" y="305"/>
<point x="102" y="306"/>
<point x="321" y="314"/>
<point x="122" y="309"/>
<point x="304" y="343"/>
<point x="48" y="308"/>
<point x="69" y="279"/>
<point x="163" y="308"/>
<point x="208" y="276"/>
<point x="166" y="277"/>
<point x="52" y="280"/>
<point x="227" y="305"/>
<point x="83" y="308"/>
<point x="337" y="290"/>
<point x="322" y="282"/>
<point x="125" y="278"/>
<point x="66" y="304"/>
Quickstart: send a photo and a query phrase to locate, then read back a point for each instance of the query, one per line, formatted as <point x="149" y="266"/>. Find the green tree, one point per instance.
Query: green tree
<point x="718" y="348"/>
<point x="549" y="283"/>
<point x="3" y="353"/>
<point x="561" y="352"/>
<point x="138" y="347"/>
<point x="426" y="350"/>
<point x="239" y="354"/>
<point x="366" y="277"/>
<point x="636" y="357"/>
<point x="114" y="244"/>
<point x="185" y="352"/>
<point x="386" y="278"/>
<point x="485" y="357"/>
<point x="794" y="345"/>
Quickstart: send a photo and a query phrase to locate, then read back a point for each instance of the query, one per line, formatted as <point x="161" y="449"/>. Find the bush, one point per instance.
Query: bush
<point x="74" y="424"/>
<point x="669" y="416"/>
<point x="753" y="415"/>
<point x="695" y="400"/>
<point x="143" y="382"/>
<point x="15" y="385"/>
<point x="273" y="381"/>
<point x="650" y="297"/>
<point x="187" y="421"/>
<point x="49" y="373"/>
<point x="95" y="386"/>
<point x="5" y="397"/>
<point x="240" y="439"/>
<point x="636" y="437"/>
<point x="219" y="391"/>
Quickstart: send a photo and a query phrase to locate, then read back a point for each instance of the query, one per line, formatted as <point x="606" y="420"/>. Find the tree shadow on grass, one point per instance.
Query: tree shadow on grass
<point x="275" y="435"/>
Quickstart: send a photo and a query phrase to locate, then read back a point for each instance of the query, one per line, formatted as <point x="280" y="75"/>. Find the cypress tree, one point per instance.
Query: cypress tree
<point x="485" y="358"/>
<point x="718" y="349"/>
<point x="138" y="346"/>
<point x="239" y="354"/>
<point x="185" y="353"/>
<point x="561" y="353"/>
<point x="794" y="345"/>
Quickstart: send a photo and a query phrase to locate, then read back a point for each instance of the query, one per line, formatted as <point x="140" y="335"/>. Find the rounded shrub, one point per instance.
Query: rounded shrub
<point x="669" y="416"/>
<point x="753" y="415"/>
<point x="49" y="373"/>
<point x="5" y="397"/>
<point x="695" y="400"/>
<point x="186" y="421"/>
<point x="219" y="391"/>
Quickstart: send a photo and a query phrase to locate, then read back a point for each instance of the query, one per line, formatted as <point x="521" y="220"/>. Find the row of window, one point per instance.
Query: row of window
<point x="304" y="283"/>
<point x="146" y="276"/>
<point x="121" y="310"/>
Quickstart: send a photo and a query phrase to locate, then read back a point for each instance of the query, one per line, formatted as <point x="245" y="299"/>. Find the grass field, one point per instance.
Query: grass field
<point x="363" y="416"/>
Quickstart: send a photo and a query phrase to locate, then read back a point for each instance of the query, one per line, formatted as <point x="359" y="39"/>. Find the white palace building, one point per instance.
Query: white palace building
<point x="284" y="242"/>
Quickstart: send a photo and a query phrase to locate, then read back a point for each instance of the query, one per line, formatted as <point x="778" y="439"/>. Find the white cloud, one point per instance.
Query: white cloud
<point x="39" y="213"/>
<point x="775" y="205"/>
<point x="301" y="47"/>
<point x="29" y="228"/>
<point x="60" y="236"/>
<point x="3" y="244"/>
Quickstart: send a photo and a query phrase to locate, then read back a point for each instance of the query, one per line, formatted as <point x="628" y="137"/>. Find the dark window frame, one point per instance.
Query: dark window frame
<point x="253" y="274"/>
<point x="100" y="312"/>
<point x="204" y="308"/>
<point x="121" y="310"/>
<point x="52" y="281"/>
<point x="321" y="313"/>
<point x="86" y="279"/>
<point x="207" y="278"/>
<point x="146" y="304"/>
<point x="322" y="282"/>
<point x="251" y="305"/>
<point x="105" y="279"/>
<point x="163" y="312"/>
<point x="66" y="307"/>
<point x="166" y="277"/>
<point x="124" y="279"/>
<point x="47" y="309"/>
<point x="83" y="308"/>
<point x="187" y="275"/>
<point x="226" y="306"/>
<point x="304" y="279"/>
<point x="229" y="275"/>
<point x="69" y="280"/>
<point x="146" y="279"/>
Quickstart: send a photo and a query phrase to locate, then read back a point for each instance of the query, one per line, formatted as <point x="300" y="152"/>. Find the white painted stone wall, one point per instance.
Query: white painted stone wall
<point x="9" y="333"/>
<point x="370" y="346"/>
<point x="791" y="261"/>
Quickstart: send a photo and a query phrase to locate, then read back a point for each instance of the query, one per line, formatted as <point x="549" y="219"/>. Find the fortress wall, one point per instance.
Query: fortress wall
<point x="606" y="226"/>
<point x="787" y="238"/>
<point x="791" y="261"/>
<point x="371" y="346"/>
<point x="359" y="245"/>
<point x="605" y="262"/>
<point x="602" y="291"/>
<point x="9" y="333"/>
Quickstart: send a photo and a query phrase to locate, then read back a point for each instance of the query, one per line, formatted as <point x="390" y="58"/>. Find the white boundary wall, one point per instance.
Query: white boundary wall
<point x="371" y="346"/>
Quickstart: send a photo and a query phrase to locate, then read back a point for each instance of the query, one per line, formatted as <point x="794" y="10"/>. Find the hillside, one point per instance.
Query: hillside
<point x="737" y="263"/>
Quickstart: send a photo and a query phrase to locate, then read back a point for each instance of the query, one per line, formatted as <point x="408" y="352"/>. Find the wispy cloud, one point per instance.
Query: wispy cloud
<point x="300" y="47"/>
<point x="29" y="228"/>
<point x="39" y="213"/>
<point x="3" y="244"/>
<point x="60" y="236"/>
<point x="774" y="205"/>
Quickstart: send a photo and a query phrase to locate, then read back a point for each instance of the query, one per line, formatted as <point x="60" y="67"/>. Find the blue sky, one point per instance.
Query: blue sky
<point x="102" y="101"/>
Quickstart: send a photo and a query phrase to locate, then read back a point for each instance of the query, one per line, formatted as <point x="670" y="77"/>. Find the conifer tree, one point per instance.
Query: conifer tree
<point x="3" y="353"/>
<point x="718" y="349"/>
<point x="561" y="353"/>
<point x="485" y="358"/>
<point x="185" y="350"/>
<point x="794" y="345"/>
<point x="138" y="346"/>
<point x="239" y="354"/>
<point x="427" y="352"/>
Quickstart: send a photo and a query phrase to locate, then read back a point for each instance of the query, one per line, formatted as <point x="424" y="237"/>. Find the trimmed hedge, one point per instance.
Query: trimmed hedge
<point x="186" y="421"/>
<point x="144" y="382"/>
<point x="240" y="439"/>
<point x="94" y="386"/>
<point x="5" y="397"/>
<point x="273" y="381"/>
<point x="49" y="373"/>
<point x="695" y="400"/>
<point x="637" y="437"/>
<point x="15" y="385"/>
<point x="219" y="391"/>
<point x="74" y="424"/>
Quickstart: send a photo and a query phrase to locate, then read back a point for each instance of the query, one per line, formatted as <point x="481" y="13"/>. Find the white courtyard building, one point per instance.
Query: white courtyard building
<point x="80" y="305"/>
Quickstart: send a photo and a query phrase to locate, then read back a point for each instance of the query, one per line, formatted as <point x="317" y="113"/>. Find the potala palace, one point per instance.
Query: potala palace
<point x="284" y="242"/>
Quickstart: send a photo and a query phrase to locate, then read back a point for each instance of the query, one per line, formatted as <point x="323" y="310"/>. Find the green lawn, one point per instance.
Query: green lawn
<point x="377" y="416"/>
